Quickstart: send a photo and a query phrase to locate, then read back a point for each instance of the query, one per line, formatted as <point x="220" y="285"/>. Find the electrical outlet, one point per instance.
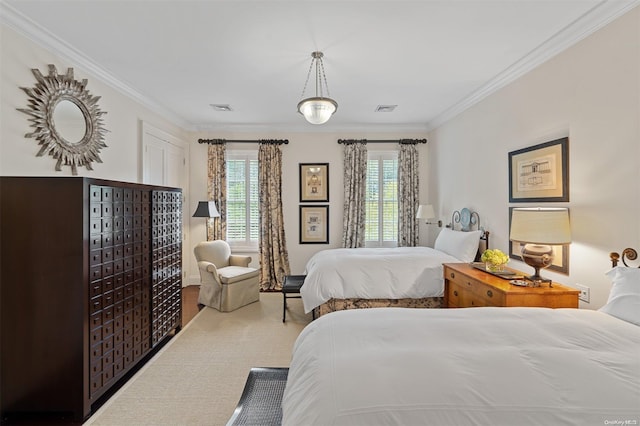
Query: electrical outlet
<point x="584" y="292"/>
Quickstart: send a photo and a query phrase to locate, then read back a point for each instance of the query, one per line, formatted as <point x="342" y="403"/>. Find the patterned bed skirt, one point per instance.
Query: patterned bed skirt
<point x="342" y="304"/>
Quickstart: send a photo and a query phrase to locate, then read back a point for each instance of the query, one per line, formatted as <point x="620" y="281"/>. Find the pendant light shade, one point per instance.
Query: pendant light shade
<point x="319" y="108"/>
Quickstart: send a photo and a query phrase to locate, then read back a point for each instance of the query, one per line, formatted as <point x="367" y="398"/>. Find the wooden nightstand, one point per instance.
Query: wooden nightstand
<point x="466" y="286"/>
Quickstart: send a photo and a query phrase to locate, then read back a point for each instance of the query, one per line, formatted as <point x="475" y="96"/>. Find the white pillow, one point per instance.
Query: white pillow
<point x="463" y="245"/>
<point x="624" y="298"/>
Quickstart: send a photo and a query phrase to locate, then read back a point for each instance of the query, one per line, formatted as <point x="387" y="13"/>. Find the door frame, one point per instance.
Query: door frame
<point x="147" y="130"/>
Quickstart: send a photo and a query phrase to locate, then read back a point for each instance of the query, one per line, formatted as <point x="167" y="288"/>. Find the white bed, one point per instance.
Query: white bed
<point x="374" y="273"/>
<point x="476" y="366"/>
<point x="483" y="366"/>
<point x="349" y="278"/>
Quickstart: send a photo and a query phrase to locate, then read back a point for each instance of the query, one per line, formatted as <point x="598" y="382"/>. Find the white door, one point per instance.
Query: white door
<point x="164" y="162"/>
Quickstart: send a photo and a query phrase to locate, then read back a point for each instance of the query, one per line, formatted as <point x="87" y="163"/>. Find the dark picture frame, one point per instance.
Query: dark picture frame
<point x="314" y="224"/>
<point x="540" y="173"/>
<point x="314" y="182"/>
<point x="560" y="253"/>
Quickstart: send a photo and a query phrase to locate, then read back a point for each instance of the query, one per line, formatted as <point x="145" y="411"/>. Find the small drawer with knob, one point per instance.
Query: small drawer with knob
<point x="454" y="296"/>
<point x="463" y="291"/>
<point x="486" y="295"/>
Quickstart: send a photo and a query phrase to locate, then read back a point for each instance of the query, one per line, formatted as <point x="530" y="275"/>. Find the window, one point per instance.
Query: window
<point x="381" y="198"/>
<point x="242" y="200"/>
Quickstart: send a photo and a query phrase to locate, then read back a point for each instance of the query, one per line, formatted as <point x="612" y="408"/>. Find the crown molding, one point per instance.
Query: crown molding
<point x="590" y="22"/>
<point x="26" y="27"/>
<point x="596" y="18"/>
<point x="305" y="127"/>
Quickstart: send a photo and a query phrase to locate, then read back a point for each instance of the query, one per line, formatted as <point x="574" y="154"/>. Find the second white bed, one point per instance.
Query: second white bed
<point x="374" y="273"/>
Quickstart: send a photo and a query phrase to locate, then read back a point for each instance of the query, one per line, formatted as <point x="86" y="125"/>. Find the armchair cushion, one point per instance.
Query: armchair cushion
<point x="233" y="274"/>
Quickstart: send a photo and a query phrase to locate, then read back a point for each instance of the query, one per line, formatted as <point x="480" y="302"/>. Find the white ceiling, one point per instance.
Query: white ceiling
<point x="431" y="58"/>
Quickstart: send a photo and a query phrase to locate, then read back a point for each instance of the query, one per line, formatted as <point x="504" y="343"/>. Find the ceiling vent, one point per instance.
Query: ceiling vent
<point x="385" y="108"/>
<point x="222" y="107"/>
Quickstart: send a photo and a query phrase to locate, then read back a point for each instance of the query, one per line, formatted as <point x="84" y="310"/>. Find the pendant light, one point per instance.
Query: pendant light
<point x="317" y="109"/>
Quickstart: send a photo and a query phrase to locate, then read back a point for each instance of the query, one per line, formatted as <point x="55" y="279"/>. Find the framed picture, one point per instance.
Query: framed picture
<point x="540" y="172"/>
<point x="560" y="254"/>
<point x="314" y="182"/>
<point x="314" y="224"/>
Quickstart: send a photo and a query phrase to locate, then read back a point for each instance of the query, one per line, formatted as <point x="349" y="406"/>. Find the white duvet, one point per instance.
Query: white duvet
<point x="373" y="273"/>
<point x="478" y="366"/>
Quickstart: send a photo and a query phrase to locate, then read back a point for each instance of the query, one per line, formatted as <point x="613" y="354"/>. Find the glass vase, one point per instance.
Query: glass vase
<point x="494" y="267"/>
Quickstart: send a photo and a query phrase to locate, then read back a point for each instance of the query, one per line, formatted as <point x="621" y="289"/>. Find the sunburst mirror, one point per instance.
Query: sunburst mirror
<point x="67" y="119"/>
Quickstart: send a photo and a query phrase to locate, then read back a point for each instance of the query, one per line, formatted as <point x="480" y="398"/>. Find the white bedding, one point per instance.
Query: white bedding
<point x="373" y="273"/>
<point x="479" y="366"/>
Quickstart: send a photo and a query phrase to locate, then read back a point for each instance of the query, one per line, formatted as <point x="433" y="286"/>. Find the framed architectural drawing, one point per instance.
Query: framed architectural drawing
<point x="314" y="224"/>
<point x="540" y="172"/>
<point x="314" y="182"/>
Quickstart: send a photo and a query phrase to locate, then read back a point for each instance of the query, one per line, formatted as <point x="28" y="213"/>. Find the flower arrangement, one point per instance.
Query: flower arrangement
<point x="494" y="260"/>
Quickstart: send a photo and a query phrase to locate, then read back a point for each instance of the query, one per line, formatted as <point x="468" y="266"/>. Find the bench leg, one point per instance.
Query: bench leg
<point x="284" y="307"/>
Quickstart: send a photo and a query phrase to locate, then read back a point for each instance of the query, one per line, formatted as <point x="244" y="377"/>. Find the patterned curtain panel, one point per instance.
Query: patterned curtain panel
<point x="355" y="179"/>
<point x="217" y="190"/>
<point x="408" y="195"/>
<point x="274" y="259"/>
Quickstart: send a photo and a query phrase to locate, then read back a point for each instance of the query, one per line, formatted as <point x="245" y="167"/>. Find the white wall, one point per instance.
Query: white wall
<point x="121" y="159"/>
<point x="302" y="148"/>
<point x="590" y="93"/>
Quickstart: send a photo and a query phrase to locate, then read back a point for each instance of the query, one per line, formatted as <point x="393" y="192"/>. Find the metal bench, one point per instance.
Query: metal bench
<point x="291" y="285"/>
<point x="261" y="400"/>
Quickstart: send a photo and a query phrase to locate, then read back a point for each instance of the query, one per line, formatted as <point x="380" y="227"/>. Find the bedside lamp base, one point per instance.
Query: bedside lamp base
<point x="537" y="256"/>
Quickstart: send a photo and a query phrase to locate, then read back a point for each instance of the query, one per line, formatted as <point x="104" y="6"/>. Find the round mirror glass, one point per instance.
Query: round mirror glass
<point x="69" y="121"/>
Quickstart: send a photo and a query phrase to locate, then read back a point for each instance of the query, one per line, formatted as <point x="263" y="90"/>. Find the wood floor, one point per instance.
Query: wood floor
<point x="189" y="303"/>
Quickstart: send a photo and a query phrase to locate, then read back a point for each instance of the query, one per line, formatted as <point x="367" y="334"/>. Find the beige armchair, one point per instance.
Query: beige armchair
<point x="226" y="280"/>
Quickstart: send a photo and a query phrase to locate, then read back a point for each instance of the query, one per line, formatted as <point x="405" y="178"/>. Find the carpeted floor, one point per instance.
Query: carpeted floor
<point x="198" y="378"/>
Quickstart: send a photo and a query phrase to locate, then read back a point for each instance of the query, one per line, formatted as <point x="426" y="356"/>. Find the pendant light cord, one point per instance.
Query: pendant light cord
<point x="307" y="81"/>
<point x="320" y="77"/>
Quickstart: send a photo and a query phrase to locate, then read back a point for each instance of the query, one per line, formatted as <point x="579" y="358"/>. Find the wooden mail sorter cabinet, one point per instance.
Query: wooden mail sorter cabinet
<point x="91" y="279"/>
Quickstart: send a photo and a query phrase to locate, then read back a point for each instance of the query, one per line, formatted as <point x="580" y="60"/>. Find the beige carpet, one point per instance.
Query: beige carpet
<point x="197" y="379"/>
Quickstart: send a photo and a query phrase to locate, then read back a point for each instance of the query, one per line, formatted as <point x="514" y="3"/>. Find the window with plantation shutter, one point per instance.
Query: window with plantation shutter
<point x="381" y="215"/>
<point x="242" y="200"/>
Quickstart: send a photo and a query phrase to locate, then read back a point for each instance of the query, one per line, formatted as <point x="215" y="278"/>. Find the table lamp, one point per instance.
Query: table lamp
<point x="537" y="229"/>
<point x="425" y="211"/>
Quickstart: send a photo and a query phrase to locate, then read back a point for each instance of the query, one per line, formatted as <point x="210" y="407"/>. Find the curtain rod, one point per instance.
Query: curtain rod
<point x="223" y="141"/>
<point x="365" y="141"/>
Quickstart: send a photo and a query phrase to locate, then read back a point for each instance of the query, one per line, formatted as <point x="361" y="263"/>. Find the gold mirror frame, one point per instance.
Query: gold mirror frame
<point x="43" y="99"/>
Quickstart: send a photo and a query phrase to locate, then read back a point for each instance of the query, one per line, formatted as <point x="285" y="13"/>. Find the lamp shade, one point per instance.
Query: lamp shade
<point x="206" y="209"/>
<point x="538" y="225"/>
<point x="317" y="110"/>
<point x="425" y="211"/>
